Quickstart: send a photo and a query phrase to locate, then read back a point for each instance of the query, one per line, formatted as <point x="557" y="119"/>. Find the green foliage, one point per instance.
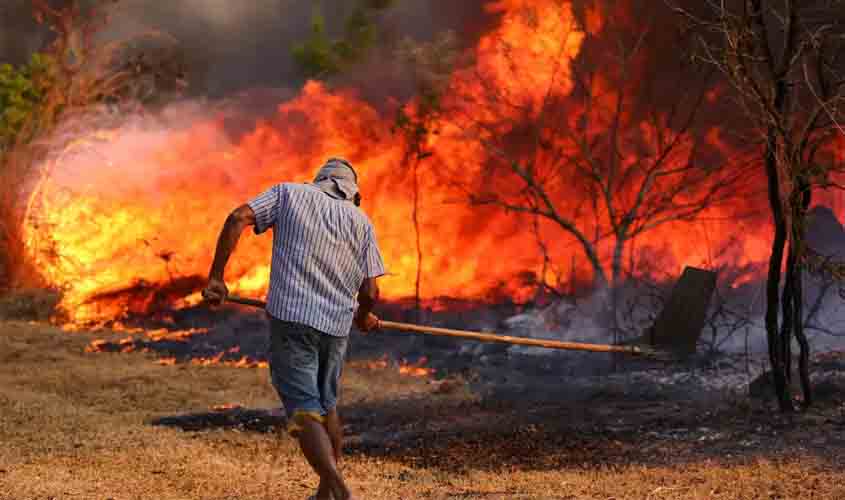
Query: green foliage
<point x="22" y="91"/>
<point x="321" y="56"/>
<point x="430" y="65"/>
<point x="316" y="56"/>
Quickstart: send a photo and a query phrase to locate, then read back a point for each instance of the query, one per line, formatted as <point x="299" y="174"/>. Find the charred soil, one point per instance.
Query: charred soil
<point x="80" y="425"/>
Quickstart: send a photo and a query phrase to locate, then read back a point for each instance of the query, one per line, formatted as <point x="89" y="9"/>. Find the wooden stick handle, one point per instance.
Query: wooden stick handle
<point x="247" y="302"/>
<point x="487" y="337"/>
<point x="506" y="339"/>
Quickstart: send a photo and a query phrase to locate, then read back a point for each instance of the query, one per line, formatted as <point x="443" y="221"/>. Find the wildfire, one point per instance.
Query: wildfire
<point x="243" y="362"/>
<point x="216" y="360"/>
<point x="416" y="369"/>
<point x="125" y="220"/>
<point x="226" y="407"/>
<point x="146" y="338"/>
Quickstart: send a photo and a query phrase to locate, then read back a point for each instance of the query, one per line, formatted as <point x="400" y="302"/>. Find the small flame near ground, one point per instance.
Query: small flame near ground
<point x="226" y="407"/>
<point x="403" y="367"/>
<point x="140" y="339"/>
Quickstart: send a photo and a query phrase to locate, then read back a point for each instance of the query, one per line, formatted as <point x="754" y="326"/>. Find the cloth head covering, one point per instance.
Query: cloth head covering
<point x="337" y="179"/>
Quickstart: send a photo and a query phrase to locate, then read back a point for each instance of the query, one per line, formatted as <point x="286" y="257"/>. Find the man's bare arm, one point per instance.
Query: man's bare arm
<point x="240" y="218"/>
<point x="368" y="295"/>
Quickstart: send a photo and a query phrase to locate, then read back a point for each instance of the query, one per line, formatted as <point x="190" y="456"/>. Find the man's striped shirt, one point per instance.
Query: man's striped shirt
<point x="323" y="248"/>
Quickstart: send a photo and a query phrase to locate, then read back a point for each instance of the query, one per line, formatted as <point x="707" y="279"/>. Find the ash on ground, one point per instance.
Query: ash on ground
<point x="238" y="336"/>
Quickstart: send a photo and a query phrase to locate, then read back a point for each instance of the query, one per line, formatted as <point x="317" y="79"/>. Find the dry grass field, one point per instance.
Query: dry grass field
<point x="75" y="425"/>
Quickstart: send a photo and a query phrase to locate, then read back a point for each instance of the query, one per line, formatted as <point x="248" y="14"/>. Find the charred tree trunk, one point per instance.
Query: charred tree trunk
<point x="775" y="340"/>
<point x="803" y="343"/>
<point x="792" y="301"/>
<point x="600" y="281"/>
<point x="615" y="273"/>
<point x="788" y="315"/>
<point x="616" y="265"/>
<point x="802" y="204"/>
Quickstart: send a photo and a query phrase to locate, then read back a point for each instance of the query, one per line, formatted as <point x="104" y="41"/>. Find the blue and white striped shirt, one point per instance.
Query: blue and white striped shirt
<point x="323" y="248"/>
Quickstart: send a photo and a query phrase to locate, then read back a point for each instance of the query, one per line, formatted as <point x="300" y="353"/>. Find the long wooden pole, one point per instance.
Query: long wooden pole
<point x="506" y="339"/>
<point x="492" y="337"/>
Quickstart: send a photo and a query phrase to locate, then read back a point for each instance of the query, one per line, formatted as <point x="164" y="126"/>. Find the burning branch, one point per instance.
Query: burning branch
<point x="430" y="64"/>
<point x="595" y="146"/>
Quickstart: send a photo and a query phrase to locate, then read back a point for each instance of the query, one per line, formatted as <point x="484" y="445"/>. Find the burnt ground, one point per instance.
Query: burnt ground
<point x="498" y="372"/>
<point x="77" y="424"/>
<point x="617" y="429"/>
<point x="512" y="408"/>
<point x="489" y="421"/>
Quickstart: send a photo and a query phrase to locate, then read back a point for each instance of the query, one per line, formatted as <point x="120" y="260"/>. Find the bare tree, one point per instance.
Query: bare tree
<point x="605" y="144"/>
<point x="430" y="65"/>
<point x="784" y="59"/>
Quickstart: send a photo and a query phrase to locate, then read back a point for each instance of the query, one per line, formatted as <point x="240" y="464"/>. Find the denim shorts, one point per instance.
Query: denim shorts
<point x="305" y="368"/>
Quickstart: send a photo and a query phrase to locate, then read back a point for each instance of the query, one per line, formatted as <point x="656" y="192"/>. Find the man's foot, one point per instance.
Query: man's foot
<point x="330" y="497"/>
<point x="318" y="450"/>
<point x="323" y="492"/>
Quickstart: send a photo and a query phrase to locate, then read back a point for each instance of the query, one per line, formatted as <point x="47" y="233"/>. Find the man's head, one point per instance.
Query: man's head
<point x="339" y="180"/>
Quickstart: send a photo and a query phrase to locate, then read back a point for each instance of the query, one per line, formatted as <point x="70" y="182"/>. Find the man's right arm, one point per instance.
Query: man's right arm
<point x="237" y="221"/>
<point x="261" y="213"/>
<point x="368" y="295"/>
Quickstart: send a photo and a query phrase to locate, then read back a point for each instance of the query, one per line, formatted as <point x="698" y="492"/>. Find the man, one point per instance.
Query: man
<point x="324" y="253"/>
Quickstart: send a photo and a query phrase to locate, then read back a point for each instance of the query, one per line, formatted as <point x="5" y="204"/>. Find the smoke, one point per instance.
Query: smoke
<point x="20" y="35"/>
<point x="231" y="46"/>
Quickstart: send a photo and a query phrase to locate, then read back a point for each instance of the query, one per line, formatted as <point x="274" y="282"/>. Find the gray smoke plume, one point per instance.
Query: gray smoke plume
<point x="20" y="35"/>
<point x="230" y="46"/>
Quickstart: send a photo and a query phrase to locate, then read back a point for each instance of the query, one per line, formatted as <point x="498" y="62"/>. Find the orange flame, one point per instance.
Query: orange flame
<point x="138" y="209"/>
<point x="226" y="407"/>
<point x="131" y="344"/>
<point x="416" y="369"/>
<point x="243" y="362"/>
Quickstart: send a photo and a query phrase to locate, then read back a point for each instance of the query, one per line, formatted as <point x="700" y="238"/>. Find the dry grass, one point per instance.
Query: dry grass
<point x="76" y="425"/>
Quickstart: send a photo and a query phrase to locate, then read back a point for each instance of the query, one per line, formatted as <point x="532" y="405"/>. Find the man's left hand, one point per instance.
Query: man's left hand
<point x="367" y="323"/>
<point x="216" y="291"/>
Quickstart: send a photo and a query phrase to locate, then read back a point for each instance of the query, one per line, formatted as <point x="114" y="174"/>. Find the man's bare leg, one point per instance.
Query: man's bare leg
<point x="318" y="450"/>
<point x="335" y="429"/>
<point x="323" y="491"/>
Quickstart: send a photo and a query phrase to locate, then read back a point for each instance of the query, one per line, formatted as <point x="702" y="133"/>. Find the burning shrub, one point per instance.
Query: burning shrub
<point x="74" y="73"/>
